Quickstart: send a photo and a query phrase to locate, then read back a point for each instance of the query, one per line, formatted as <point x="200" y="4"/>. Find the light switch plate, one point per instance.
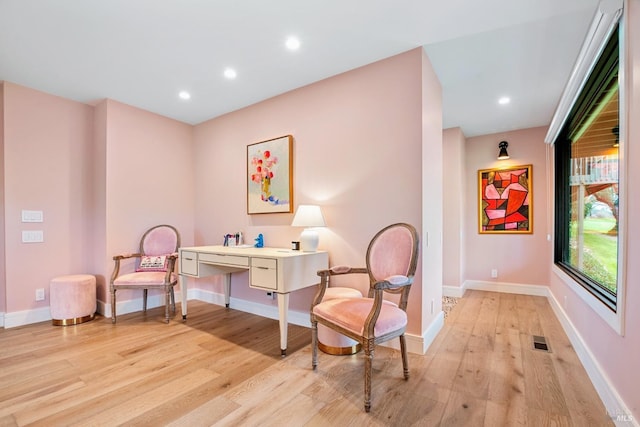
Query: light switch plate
<point x="32" y="236"/>
<point x="32" y="216"/>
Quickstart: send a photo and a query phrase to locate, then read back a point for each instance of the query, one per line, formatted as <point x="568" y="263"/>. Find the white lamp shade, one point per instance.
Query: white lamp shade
<point x="308" y="216"/>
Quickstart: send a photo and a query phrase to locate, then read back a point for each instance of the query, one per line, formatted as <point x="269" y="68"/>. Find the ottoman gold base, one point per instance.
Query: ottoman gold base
<point x="74" y="321"/>
<point x="340" y="351"/>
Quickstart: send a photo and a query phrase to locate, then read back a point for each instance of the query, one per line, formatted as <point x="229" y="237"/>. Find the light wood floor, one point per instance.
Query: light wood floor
<point x="223" y="367"/>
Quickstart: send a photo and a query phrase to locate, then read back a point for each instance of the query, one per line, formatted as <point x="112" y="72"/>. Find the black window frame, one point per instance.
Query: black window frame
<point x="609" y="57"/>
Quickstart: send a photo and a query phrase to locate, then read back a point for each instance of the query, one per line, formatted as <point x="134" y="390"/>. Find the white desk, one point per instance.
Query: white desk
<point x="270" y="269"/>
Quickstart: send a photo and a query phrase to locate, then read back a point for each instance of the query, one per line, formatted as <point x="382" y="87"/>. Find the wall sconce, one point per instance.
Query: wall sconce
<point x="503" y="155"/>
<point x="308" y="216"/>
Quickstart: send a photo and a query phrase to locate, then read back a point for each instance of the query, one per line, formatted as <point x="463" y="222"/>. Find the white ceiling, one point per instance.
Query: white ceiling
<point x="143" y="52"/>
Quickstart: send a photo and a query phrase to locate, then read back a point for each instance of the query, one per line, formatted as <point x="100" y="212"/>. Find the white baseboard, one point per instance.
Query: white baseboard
<point x="616" y="408"/>
<point x="504" y="287"/>
<point x="507" y="288"/>
<point x="1" y="320"/>
<point x="417" y="344"/>
<point x="26" y="317"/>
<point x="454" y="291"/>
<point x="300" y="318"/>
<point x="133" y="305"/>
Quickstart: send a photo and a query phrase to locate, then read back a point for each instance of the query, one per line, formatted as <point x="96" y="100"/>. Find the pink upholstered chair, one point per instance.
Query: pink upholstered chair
<point x="154" y="268"/>
<point x="391" y="262"/>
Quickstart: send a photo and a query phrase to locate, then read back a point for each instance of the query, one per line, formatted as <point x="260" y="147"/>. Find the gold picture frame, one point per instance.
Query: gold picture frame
<point x="505" y="200"/>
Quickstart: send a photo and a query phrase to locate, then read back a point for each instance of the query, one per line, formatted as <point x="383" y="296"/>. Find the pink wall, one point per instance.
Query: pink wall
<point x="3" y="282"/>
<point x="98" y="206"/>
<point x="357" y="153"/>
<point x="46" y="168"/>
<point x="618" y="355"/>
<point x="431" y="194"/>
<point x="94" y="173"/>
<point x="519" y="258"/>
<point x="149" y="180"/>
<point x="455" y="205"/>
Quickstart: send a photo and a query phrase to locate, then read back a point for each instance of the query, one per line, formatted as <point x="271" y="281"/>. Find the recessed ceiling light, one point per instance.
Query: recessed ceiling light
<point x="230" y="73"/>
<point x="292" y="43"/>
<point x="504" y="100"/>
<point x="184" y="95"/>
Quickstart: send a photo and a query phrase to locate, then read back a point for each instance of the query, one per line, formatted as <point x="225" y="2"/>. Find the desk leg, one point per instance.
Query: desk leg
<point x="283" y="309"/>
<point x="227" y="289"/>
<point x="183" y="292"/>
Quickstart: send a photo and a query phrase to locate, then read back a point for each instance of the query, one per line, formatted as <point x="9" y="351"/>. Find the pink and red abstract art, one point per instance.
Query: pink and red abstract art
<point x="505" y="200"/>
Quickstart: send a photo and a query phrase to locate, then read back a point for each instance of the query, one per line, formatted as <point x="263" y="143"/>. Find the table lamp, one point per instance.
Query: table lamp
<point x="308" y="216"/>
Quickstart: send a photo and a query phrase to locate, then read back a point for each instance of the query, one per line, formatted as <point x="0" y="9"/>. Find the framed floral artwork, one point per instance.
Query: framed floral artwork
<point x="269" y="176"/>
<point x="505" y="200"/>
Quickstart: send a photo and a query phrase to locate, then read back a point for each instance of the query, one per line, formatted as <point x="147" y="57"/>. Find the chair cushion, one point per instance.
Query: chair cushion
<point x="143" y="278"/>
<point x="350" y="313"/>
<point x="153" y="263"/>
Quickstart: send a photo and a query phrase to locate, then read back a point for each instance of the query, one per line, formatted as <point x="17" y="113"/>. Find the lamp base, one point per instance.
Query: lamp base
<point x="309" y="240"/>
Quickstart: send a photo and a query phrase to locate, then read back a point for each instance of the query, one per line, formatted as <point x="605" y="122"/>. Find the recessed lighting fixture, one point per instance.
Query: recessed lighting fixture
<point x="230" y="73"/>
<point x="504" y="100"/>
<point x="184" y="95"/>
<point x="292" y="43"/>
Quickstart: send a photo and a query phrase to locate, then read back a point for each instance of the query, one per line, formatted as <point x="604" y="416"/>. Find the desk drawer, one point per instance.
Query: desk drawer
<point x="189" y="263"/>
<point x="241" y="261"/>
<point x="264" y="273"/>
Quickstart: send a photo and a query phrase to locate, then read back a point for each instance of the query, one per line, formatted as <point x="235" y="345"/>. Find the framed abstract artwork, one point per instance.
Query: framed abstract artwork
<point x="269" y="176"/>
<point x="505" y="200"/>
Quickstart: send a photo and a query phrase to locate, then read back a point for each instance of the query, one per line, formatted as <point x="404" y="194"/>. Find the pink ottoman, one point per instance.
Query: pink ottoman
<point x="73" y="299"/>
<point x="330" y="341"/>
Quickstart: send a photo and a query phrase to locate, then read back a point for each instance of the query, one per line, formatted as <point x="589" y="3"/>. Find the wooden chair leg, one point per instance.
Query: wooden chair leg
<point x="144" y="299"/>
<point x="368" y="362"/>
<point x="167" y="304"/>
<point x="405" y="359"/>
<point x="113" y="305"/>
<point x="314" y="345"/>
<point x="173" y="301"/>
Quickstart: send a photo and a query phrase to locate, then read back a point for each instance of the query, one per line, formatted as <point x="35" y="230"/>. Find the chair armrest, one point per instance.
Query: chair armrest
<point x="341" y="269"/>
<point x="125" y="256"/>
<point x="396" y="284"/>
<point x="393" y="282"/>
<point x="116" y="267"/>
<point x="333" y="271"/>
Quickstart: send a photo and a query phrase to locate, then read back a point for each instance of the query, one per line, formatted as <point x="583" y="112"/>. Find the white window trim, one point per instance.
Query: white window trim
<point x="604" y="22"/>
<point x="614" y="319"/>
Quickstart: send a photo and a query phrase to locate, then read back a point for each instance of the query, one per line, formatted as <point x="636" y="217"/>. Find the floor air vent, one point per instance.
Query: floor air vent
<point x="540" y="343"/>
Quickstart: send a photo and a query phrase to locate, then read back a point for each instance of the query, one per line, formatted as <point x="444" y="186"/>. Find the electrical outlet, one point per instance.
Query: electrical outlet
<point x="271" y="295"/>
<point x="494" y="273"/>
<point x="40" y="294"/>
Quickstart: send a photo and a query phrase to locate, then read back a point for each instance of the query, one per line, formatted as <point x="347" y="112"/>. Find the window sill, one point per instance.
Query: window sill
<point x="613" y="319"/>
